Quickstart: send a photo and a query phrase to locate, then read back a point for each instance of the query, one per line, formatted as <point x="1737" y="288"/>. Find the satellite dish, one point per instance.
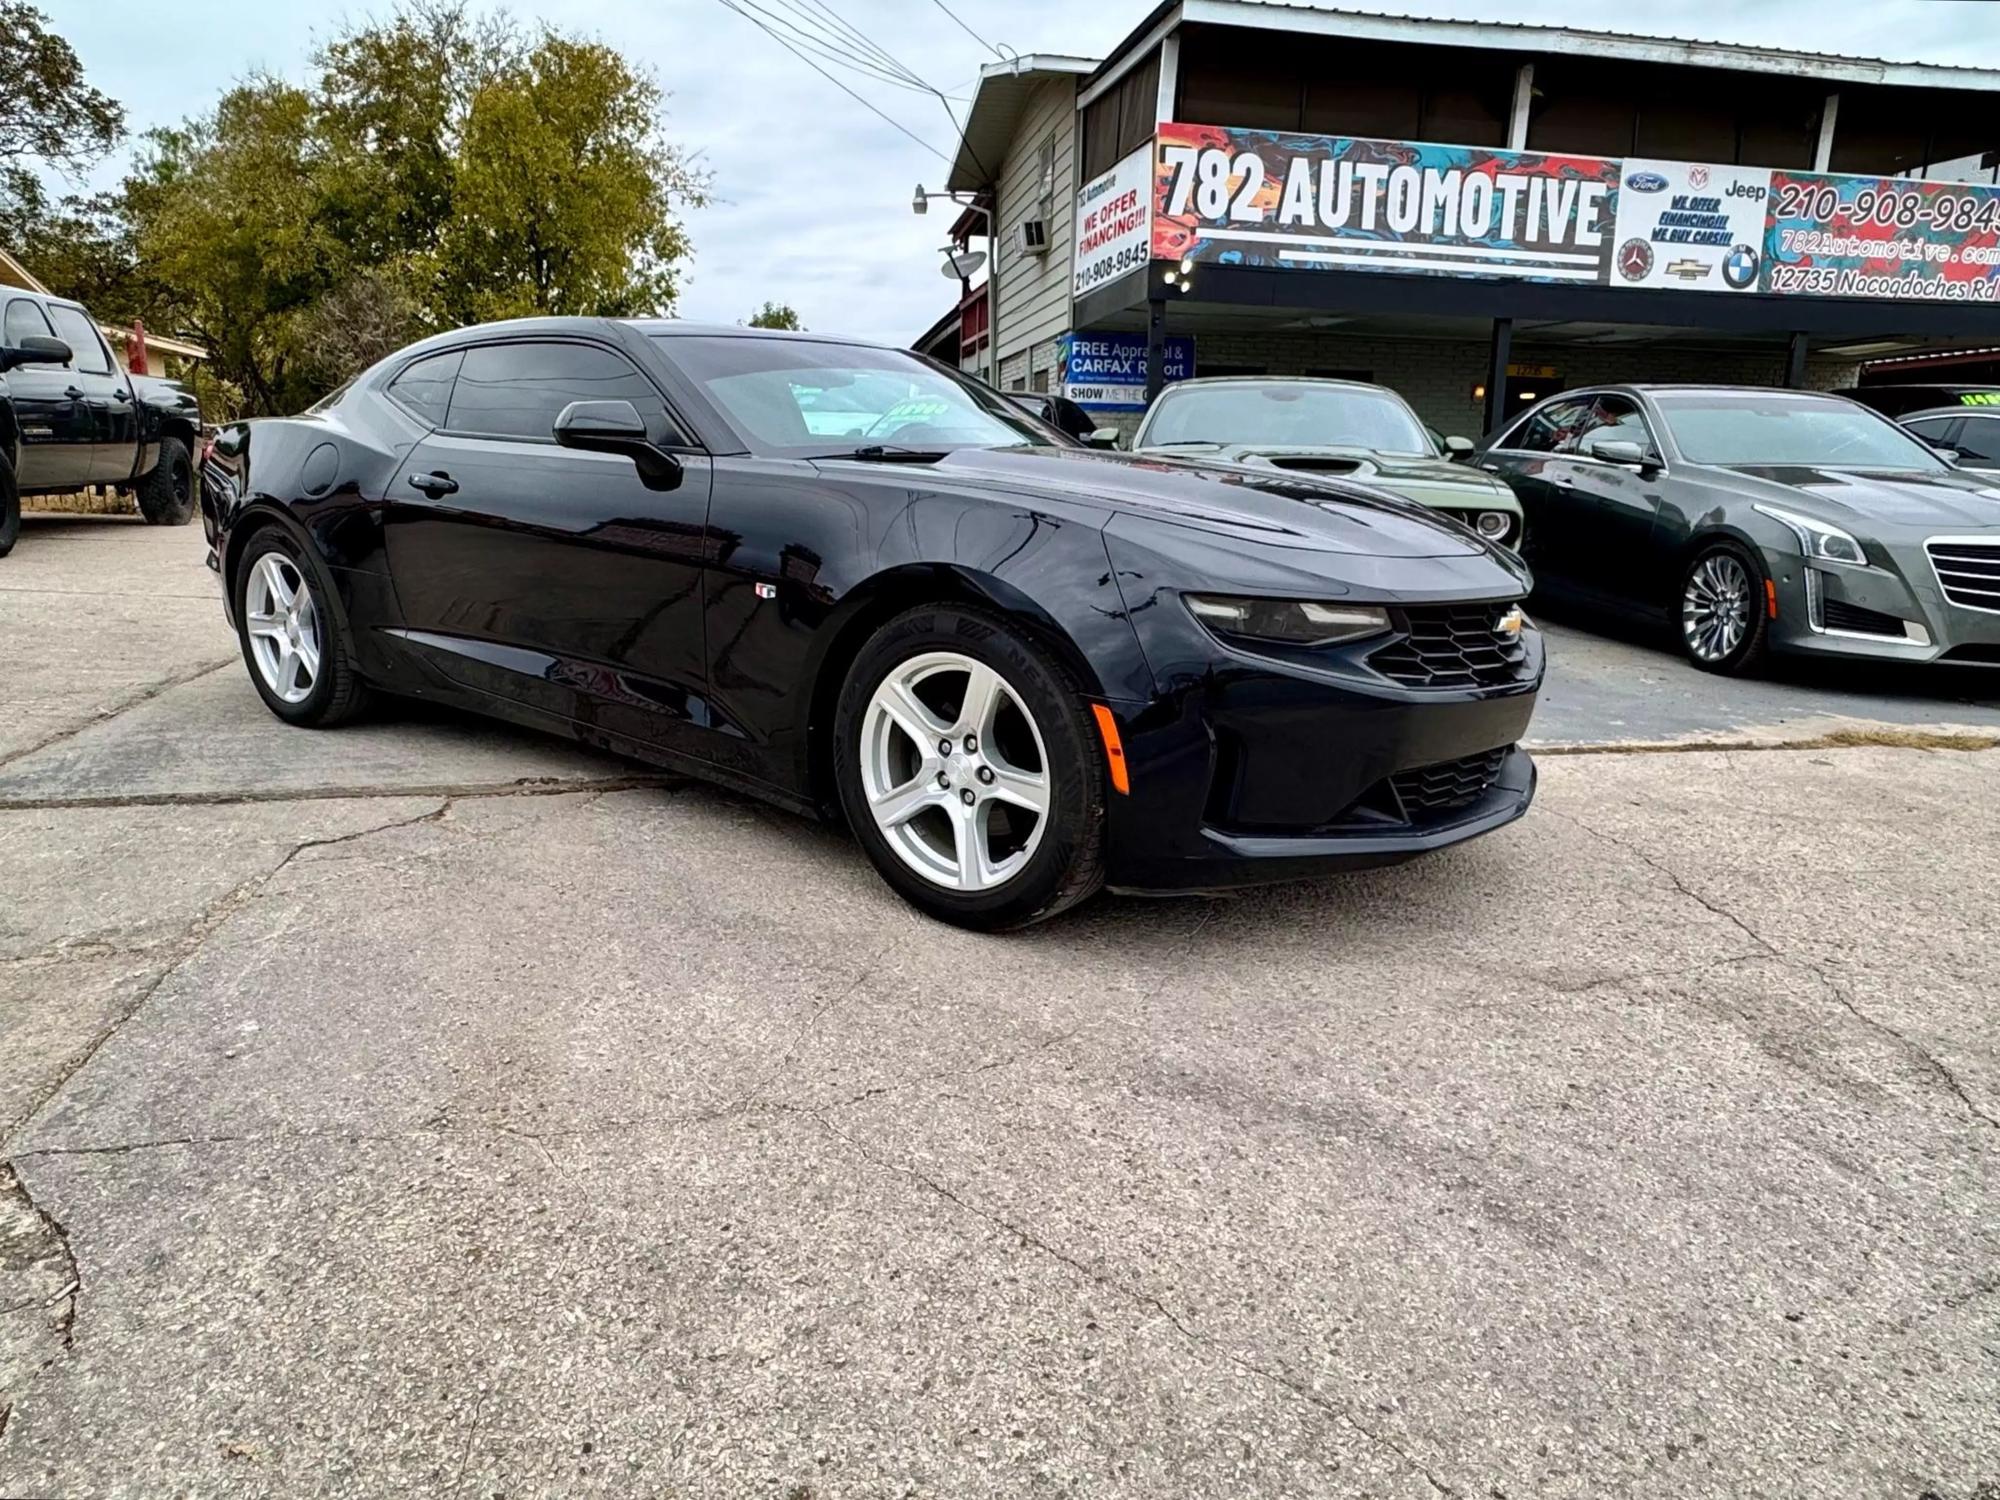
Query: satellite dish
<point x="960" y="264"/>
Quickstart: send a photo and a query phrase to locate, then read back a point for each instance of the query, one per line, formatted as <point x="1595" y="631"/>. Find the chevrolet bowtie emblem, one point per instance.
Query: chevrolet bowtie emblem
<point x="1688" y="270"/>
<point x="1511" y="623"/>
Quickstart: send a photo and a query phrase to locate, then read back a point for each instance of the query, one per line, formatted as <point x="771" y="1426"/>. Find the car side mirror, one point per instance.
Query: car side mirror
<point x="1102" y="437"/>
<point x="1458" y="449"/>
<point x="1629" y="455"/>
<point x="1946" y="452"/>
<point x="36" y="349"/>
<point x="617" y="427"/>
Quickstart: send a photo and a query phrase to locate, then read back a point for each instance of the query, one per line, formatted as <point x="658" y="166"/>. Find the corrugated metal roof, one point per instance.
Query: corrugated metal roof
<point x="1531" y="36"/>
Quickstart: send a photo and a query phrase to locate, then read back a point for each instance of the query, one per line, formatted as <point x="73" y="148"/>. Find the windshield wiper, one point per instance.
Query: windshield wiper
<point x="887" y="453"/>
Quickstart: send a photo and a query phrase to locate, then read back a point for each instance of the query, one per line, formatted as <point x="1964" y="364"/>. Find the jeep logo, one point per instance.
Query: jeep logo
<point x="1743" y="190"/>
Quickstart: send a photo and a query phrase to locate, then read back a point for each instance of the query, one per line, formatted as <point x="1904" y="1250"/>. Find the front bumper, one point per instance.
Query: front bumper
<point x="1265" y="770"/>
<point x="1892" y="610"/>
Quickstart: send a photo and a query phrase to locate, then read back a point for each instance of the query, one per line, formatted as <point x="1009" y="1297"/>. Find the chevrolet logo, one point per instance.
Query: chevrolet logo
<point x="1510" y="623"/>
<point x="1688" y="270"/>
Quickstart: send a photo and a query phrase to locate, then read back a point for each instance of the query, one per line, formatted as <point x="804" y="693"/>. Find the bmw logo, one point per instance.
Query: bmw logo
<point x="1739" y="267"/>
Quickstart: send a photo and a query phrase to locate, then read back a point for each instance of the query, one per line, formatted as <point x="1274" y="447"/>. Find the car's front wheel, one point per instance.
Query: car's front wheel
<point x="1724" y="621"/>
<point x="291" y="638"/>
<point x="964" y="765"/>
<point x="166" y="496"/>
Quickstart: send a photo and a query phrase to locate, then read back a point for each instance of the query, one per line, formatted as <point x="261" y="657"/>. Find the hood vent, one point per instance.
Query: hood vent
<point x="1307" y="464"/>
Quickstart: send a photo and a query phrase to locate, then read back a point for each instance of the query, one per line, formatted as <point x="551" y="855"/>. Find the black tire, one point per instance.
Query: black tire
<point x="1067" y="864"/>
<point x="1753" y="649"/>
<point x="10" y="507"/>
<point x="166" y="496"/>
<point x="337" y="693"/>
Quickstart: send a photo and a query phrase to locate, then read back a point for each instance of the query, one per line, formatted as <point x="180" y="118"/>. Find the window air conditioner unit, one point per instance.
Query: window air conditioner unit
<point x="1031" y="237"/>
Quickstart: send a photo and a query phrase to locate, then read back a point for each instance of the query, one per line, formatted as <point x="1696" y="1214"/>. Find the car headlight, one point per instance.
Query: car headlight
<point x="1300" y="622"/>
<point x="1493" y="524"/>
<point x="1817" y="538"/>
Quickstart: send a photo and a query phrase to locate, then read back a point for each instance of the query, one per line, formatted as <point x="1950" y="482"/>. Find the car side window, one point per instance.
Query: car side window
<point x="425" y="387"/>
<point x="1980" y="438"/>
<point x="24" y="321"/>
<point x="1549" y="428"/>
<point x="1933" y="429"/>
<point x="87" y="354"/>
<point x="518" y="390"/>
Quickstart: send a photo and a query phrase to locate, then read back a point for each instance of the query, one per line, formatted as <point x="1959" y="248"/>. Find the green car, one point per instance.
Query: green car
<point x="1363" y="432"/>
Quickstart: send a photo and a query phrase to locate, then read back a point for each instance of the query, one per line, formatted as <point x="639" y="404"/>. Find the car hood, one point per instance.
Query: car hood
<point x="1429" y="481"/>
<point x="1881" y="498"/>
<point x="159" y="391"/>
<point x="1309" y="512"/>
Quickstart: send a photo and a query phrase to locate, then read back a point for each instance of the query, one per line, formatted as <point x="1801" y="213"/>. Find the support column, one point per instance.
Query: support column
<point x="1829" y="114"/>
<point x="1524" y="99"/>
<point x="1496" y="373"/>
<point x="1156" y="347"/>
<point x="1795" y="362"/>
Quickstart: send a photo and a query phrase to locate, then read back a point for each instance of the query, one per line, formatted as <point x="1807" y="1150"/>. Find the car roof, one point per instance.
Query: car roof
<point x="1949" y="411"/>
<point x="1356" y="385"/>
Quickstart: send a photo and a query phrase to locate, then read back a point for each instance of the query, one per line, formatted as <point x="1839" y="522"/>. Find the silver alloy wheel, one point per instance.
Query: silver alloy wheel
<point x="282" y="621"/>
<point x="943" y="743"/>
<point x="1715" y="610"/>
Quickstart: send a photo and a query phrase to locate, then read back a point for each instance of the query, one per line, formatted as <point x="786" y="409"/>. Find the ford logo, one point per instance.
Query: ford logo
<point x="1646" y="182"/>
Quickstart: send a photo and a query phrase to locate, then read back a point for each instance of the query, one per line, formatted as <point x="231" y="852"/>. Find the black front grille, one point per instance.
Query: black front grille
<point x="1969" y="572"/>
<point x="1838" y="614"/>
<point x="1449" y="784"/>
<point x="1453" y="646"/>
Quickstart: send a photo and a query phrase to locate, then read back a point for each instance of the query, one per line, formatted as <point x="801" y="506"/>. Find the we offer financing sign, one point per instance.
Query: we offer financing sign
<point x="1107" y="371"/>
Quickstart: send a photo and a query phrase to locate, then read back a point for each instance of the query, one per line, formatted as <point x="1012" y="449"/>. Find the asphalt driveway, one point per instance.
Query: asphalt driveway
<point x="428" y="1107"/>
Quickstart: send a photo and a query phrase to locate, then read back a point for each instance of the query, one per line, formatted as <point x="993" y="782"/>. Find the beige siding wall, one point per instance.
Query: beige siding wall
<point x="1034" y="292"/>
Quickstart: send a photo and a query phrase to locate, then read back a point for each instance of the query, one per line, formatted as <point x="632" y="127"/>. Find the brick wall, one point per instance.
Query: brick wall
<point x="84" y="503"/>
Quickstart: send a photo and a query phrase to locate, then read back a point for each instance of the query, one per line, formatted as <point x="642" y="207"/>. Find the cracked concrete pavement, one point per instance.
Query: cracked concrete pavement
<point x="377" y="1120"/>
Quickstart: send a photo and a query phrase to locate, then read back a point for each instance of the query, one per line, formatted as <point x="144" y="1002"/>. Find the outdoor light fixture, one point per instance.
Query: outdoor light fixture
<point x="921" y="203"/>
<point x="963" y="265"/>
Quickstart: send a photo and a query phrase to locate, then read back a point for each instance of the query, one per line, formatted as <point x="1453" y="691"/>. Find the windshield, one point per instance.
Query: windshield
<point x="1284" y="414"/>
<point x="802" y="398"/>
<point x="1771" y="427"/>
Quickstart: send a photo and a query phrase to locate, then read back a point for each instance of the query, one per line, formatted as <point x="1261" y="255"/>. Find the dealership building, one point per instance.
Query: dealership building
<point x="1473" y="213"/>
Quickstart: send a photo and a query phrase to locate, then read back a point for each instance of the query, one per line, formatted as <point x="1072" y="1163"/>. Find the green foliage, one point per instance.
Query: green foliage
<point x="47" y="111"/>
<point x="776" y="315"/>
<point x="437" y="170"/>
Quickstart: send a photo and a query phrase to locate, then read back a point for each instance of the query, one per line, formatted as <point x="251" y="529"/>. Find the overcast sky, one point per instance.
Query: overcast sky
<point x="813" y="190"/>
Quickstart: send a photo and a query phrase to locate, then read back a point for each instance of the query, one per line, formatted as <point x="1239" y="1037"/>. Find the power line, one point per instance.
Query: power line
<point x="815" y="42"/>
<point x="857" y="98"/>
<point x="967" y="29"/>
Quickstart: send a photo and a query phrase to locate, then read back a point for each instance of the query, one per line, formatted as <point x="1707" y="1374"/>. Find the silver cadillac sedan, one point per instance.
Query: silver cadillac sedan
<point x="1758" y="520"/>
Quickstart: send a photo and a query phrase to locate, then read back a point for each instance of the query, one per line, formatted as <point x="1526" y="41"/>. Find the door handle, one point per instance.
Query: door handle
<point x="1567" y="481"/>
<point x="120" y="397"/>
<point x="75" y="393"/>
<point x="434" y="485"/>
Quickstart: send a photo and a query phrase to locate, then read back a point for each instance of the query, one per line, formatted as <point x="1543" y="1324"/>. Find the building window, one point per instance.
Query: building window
<point x="1122" y="118"/>
<point x="1041" y="380"/>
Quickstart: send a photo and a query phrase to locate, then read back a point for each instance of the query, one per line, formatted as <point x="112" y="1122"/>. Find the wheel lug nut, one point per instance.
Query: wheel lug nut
<point x="943" y="780"/>
<point x="966" y="797"/>
<point x="944" y="747"/>
<point x="971" y="743"/>
<point x="986" y="774"/>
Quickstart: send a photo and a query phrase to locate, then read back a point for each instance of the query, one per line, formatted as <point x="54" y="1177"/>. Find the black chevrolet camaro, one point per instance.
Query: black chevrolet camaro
<point x="858" y="584"/>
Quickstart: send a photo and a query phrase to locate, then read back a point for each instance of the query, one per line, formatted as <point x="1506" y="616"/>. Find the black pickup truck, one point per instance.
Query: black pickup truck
<point x="70" y="417"/>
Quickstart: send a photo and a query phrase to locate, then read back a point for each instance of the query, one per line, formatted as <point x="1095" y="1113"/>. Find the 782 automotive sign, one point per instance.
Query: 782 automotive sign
<point x="1260" y="197"/>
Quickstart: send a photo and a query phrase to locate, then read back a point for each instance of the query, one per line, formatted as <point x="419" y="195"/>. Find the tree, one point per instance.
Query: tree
<point x="565" y="197"/>
<point x="776" y="315"/>
<point x="47" y="112"/>
<point x="437" y="170"/>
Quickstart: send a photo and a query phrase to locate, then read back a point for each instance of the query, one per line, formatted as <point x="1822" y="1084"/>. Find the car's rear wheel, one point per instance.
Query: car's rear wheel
<point x="1724" y="622"/>
<point x="166" y="496"/>
<point x="292" y="640"/>
<point x="10" y="508"/>
<point x="965" y="768"/>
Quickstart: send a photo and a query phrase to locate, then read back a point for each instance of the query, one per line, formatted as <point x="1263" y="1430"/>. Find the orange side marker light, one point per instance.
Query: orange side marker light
<point x="1114" y="749"/>
<point x="1771" y="596"/>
